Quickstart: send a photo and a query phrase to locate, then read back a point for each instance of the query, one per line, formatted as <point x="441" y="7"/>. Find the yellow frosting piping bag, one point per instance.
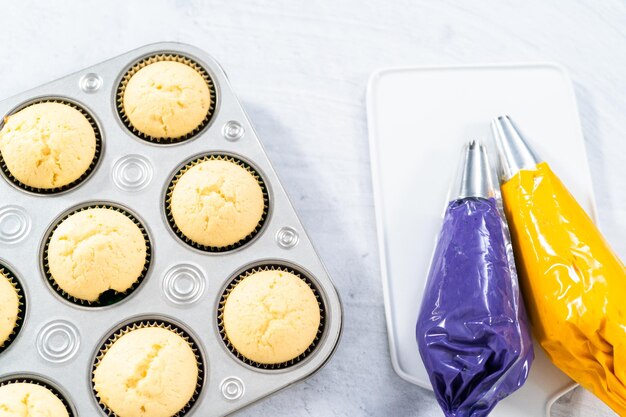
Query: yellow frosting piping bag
<point x="573" y="283"/>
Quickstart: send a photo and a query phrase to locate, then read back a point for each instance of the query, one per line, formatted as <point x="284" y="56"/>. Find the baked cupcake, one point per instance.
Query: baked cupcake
<point x="9" y="309"/>
<point x="147" y="371"/>
<point x="96" y="250"/>
<point x="217" y="202"/>
<point x="47" y="145"/>
<point x="30" y="399"/>
<point x="166" y="99"/>
<point x="271" y="316"/>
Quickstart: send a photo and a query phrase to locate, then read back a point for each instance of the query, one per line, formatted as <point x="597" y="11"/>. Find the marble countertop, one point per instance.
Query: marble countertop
<point x="300" y="69"/>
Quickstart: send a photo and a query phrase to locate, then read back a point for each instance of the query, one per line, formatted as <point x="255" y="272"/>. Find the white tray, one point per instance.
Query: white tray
<point x="418" y="120"/>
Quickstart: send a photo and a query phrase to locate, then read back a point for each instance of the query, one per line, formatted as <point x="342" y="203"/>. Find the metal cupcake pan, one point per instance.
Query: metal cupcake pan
<point x="58" y="339"/>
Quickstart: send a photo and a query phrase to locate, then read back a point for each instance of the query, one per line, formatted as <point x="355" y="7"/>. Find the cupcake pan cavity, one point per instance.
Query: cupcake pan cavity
<point x="151" y="321"/>
<point x="225" y="157"/>
<point x="21" y="315"/>
<point x="110" y="297"/>
<point x="160" y="57"/>
<point x="59" y="339"/>
<point x="278" y="266"/>
<point x="32" y="378"/>
<point x="52" y="98"/>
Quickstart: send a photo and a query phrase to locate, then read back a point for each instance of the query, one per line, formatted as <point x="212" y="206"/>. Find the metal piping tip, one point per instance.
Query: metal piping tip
<point x="475" y="173"/>
<point x="514" y="153"/>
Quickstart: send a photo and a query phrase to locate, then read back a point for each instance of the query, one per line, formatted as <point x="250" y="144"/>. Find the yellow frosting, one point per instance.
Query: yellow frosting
<point x="149" y="371"/>
<point x="271" y="317"/>
<point x="29" y="400"/>
<point x="47" y="145"/>
<point x="95" y="250"/>
<point x="166" y="99"/>
<point x="217" y="203"/>
<point x="9" y="308"/>
<point x="574" y="283"/>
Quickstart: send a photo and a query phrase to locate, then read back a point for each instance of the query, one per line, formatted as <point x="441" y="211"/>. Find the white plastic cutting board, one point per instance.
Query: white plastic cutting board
<point x="419" y="119"/>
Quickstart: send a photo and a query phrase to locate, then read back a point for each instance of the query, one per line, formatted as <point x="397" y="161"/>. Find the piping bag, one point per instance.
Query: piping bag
<point x="472" y="330"/>
<point x="573" y="283"/>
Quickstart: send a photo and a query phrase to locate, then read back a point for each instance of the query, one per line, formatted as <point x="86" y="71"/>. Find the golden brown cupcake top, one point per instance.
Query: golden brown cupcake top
<point x="95" y="250"/>
<point x="47" y="145"/>
<point x="271" y="316"/>
<point x="217" y="203"/>
<point x="166" y="99"/>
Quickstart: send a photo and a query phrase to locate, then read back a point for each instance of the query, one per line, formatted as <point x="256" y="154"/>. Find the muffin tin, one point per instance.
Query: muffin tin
<point x="58" y="340"/>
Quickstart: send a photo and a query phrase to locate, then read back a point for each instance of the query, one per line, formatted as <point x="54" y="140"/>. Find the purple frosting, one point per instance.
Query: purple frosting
<point x="472" y="329"/>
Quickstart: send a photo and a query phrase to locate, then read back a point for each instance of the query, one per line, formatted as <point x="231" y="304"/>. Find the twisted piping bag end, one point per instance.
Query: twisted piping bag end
<point x="475" y="174"/>
<point x="514" y="153"/>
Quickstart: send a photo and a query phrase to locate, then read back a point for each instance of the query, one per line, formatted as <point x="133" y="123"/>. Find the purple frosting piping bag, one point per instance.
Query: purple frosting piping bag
<point x="472" y="331"/>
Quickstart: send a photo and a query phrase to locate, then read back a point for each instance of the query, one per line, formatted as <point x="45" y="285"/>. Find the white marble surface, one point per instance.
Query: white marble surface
<point x="300" y="68"/>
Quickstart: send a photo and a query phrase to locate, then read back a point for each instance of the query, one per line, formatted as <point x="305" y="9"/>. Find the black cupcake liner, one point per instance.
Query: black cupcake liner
<point x="109" y="297"/>
<point x="143" y="323"/>
<point x="21" y="313"/>
<point x="175" y="57"/>
<point x="94" y="162"/>
<point x="270" y="267"/>
<point x="42" y="383"/>
<point x="216" y="249"/>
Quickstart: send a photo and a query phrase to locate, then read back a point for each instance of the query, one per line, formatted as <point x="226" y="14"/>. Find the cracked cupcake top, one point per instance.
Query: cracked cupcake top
<point x="149" y="371"/>
<point x="95" y="250"/>
<point x="47" y="145"/>
<point x="9" y="309"/>
<point x="217" y="203"/>
<point x="28" y="399"/>
<point x="166" y="99"/>
<point x="271" y="316"/>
